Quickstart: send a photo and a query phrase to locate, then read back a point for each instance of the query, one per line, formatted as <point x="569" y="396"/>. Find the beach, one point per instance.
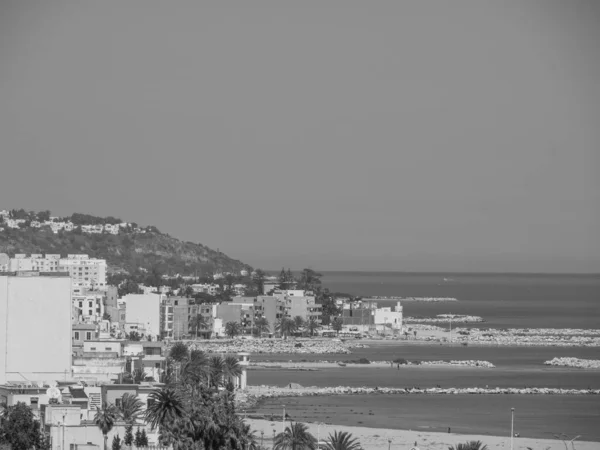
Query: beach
<point x="377" y="438"/>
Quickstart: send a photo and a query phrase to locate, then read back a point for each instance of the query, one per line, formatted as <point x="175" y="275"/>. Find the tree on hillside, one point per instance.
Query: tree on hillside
<point x="128" y="287"/>
<point x="19" y="428"/>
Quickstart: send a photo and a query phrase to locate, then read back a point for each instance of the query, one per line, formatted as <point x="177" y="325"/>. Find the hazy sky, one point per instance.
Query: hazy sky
<point x="371" y="135"/>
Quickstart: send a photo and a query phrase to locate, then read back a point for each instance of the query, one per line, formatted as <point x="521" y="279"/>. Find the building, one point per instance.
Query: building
<point x="142" y="311"/>
<point x="367" y="317"/>
<point x="90" y="306"/>
<point x="35" y="327"/>
<point x="246" y="310"/>
<point x="305" y="307"/>
<point x="84" y="271"/>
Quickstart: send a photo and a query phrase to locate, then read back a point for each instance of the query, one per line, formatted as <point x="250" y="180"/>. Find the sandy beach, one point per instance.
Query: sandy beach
<point x="378" y="438"/>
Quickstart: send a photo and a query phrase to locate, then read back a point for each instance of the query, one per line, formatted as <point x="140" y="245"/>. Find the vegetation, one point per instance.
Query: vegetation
<point x="295" y="437"/>
<point x="198" y="322"/>
<point x="262" y="325"/>
<point x="128" y="438"/>
<point x="116" y="442"/>
<point x="337" y="324"/>
<point x="312" y="325"/>
<point x="469" y="445"/>
<point x="342" y="441"/>
<point x="130" y="409"/>
<point x="232" y="329"/>
<point x="105" y="419"/>
<point x="20" y="430"/>
<point x="285" y="327"/>
<point x="127" y="251"/>
<point x="179" y="352"/>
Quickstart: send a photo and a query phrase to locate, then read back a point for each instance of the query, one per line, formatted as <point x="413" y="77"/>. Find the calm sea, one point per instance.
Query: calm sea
<point x="503" y="300"/>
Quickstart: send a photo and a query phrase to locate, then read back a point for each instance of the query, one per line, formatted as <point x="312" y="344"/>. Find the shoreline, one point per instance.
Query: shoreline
<point x="379" y="438"/>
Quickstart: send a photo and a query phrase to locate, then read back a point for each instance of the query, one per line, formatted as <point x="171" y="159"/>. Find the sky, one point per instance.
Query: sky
<point x="337" y="135"/>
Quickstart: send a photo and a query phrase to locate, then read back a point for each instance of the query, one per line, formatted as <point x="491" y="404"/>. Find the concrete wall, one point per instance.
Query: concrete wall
<point x="145" y="310"/>
<point x="35" y="328"/>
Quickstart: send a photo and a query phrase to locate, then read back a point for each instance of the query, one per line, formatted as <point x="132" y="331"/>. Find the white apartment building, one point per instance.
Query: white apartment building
<point x="142" y="311"/>
<point x="85" y="272"/>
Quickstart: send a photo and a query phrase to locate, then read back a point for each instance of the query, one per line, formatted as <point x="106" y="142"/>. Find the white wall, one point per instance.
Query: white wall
<point x="145" y="310"/>
<point x="35" y="328"/>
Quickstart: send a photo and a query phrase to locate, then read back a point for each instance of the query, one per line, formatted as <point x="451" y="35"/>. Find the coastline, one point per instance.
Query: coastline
<point x="378" y="438"/>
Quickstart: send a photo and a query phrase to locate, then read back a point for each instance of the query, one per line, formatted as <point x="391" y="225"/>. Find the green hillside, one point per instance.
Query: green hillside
<point x="127" y="251"/>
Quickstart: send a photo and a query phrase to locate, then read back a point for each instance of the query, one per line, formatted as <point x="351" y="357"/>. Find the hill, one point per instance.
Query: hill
<point x="132" y="248"/>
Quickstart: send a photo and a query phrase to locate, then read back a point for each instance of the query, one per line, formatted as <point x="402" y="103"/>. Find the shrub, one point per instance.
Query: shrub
<point x="417" y="363"/>
<point x="401" y="361"/>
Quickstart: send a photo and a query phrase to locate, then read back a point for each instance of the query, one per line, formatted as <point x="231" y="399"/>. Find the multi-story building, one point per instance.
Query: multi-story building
<point x="86" y="272"/>
<point x="35" y="329"/>
<point x="367" y="317"/>
<point x="305" y="307"/>
<point x="142" y="312"/>
<point x="246" y="310"/>
<point x="90" y="305"/>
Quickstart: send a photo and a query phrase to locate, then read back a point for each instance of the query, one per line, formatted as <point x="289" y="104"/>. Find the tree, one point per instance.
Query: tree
<point x="231" y="368"/>
<point x="298" y="323"/>
<point x="258" y="280"/>
<point x="137" y="441"/>
<point x="310" y="281"/>
<point x="285" y="326"/>
<point x="143" y="438"/>
<point x="337" y="324"/>
<point x="105" y="419"/>
<point x="313" y="325"/>
<point x="165" y="407"/>
<point x="179" y="352"/>
<point x="232" y="329"/>
<point x="130" y="409"/>
<point x="19" y="428"/>
<point x="469" y="445"/>
<point x="106" y="316"/>
<point x="128" y="287"/>
<point x="134" y="336"/>
<point x="116" y="442"/>
<point x="128" y="438"/>
<point x="198" y="322"/>
<point x="295" y="437"/>
<point x="342" y="441"/>
<point x="262" y="325"/>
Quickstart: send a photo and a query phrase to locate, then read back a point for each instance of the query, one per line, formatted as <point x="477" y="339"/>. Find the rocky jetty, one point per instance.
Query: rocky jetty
<point x="574" y="362"/>
<point x="529" y="337"/>
<point x="428" y="299"/>
<point x="464" y="363"/>
<point x="444" y="318"/>
<point x="274" y="346"/>
<point x="255" y="393"/>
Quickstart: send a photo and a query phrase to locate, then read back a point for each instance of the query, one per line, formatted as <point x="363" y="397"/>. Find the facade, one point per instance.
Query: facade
<point x="305" y="307"/>
<point x="84" y="271"/>
<point x="143" y="312"/>
<point x="90" y="306"/>
<point x="35" y="329"/>
<point x="367" y="317"/>
<point x="247" y="309"/>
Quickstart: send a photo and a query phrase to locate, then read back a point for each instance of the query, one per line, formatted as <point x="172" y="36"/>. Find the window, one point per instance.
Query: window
<point x="90" y="304"/>
<point x="77" y="335"/>
<point x="93" y="348"/>
<point x="88" y="335"/>
<point x="157" y="365"/>
<point x="108" y="349"/>
<point x="118" y="402"/>
<point x="90" y="312"/>
<point x="81" y="304"/>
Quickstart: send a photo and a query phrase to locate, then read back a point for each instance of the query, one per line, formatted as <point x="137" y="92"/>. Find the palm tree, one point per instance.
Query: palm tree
<point x="105" y="419"/>
<point x="232" y="329"/>
<point x="217" y="369"/>
<point x="295" y="437"/>
<point x="342" y="441"/>
<point x="469" y="445"/>
<point x="130" y="409"/>
<point x="231" y="368"/>
<point x="138" y="376"/>
<point x="165" y="406"/>
<point x="298" y="322"/>
<point x="313" y="325"/>
<point x="198" y="322"/>
<point x="179" y="352"/>
<point x="285" y="326"/>
<point x="262" y="325"/>
<point x="248" y="438"/>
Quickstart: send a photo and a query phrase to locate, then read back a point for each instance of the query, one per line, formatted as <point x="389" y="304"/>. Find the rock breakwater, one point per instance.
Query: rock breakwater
<point x="274" y="346"/>
<point x="528" y="337"/>
<point x="574" y="362"/>
<point x="445" y="318"/>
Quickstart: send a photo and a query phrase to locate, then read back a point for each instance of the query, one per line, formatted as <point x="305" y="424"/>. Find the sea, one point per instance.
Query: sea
<point x="503" y="301"/>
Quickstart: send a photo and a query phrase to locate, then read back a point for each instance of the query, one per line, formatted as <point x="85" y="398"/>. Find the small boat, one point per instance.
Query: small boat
<point x="341" y="364"/>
